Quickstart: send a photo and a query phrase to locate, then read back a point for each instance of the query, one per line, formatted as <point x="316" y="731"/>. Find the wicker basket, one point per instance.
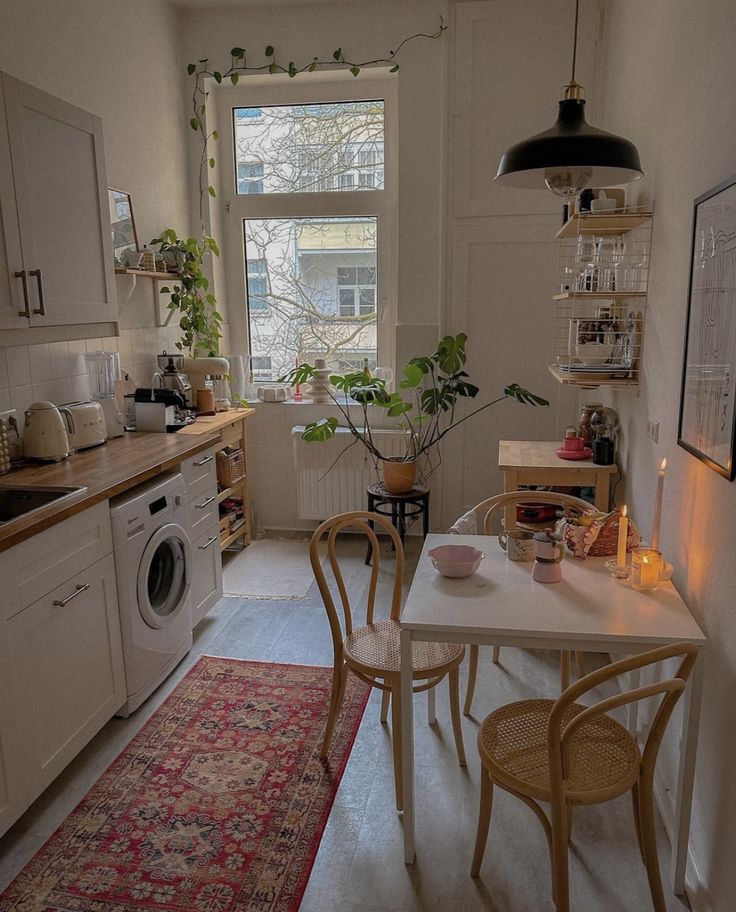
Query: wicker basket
<point x="607" y="542"/>
<point x="230" y="467"/>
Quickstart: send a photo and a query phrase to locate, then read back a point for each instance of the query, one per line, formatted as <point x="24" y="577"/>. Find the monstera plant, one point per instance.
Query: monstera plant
<point x="425" y="406"/>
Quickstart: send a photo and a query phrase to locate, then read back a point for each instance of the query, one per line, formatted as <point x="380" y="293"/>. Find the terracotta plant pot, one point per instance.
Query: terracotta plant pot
<point x="399" y="477"/>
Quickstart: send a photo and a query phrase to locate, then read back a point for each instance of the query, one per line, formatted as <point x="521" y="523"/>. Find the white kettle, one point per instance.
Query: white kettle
<point x="45" y="432"/>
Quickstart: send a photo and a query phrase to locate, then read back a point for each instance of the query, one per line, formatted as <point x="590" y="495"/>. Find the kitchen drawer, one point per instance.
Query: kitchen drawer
<point x="207" y="576"/>
<point x="198" y="468"/>
<point x="232" y="434"/>
<point x="202" y="511"/>
<point x="52" y="557"/>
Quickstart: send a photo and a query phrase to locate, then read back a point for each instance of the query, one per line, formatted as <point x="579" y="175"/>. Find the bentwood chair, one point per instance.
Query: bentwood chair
<point x="372" y="651"/>
<point x="565" y="753"/>
<point x="491" y="506"/>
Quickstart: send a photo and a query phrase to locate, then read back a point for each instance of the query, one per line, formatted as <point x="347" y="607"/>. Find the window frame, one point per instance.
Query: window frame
<point x="230" y="209"/>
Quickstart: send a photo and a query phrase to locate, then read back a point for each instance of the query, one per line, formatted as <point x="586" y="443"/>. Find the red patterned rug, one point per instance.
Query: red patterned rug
<point x="217" y="805"/>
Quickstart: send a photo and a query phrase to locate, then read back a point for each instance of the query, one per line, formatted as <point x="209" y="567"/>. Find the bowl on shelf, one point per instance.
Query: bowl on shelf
<point x="456" y="561"/>
<point x="593" y="352"/>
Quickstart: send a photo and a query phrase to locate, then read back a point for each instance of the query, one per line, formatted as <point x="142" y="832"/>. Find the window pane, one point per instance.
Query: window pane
<point x="313" y="305"/>
<point x="309" y="148"/>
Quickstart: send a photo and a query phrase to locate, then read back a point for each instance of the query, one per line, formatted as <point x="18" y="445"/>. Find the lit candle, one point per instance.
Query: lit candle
<point x="658" y="506"/>
<point x="649" y="571"/>
<point x="623" y="532"/>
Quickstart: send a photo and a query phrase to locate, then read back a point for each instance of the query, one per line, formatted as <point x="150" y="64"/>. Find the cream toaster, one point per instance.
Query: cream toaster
<point x="88" y="426"/>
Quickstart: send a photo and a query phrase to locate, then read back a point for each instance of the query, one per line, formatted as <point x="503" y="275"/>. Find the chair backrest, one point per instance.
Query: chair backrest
<point x="492" y="504"/>
<point x="356" y="520"/>
<point x="561" y="736"/>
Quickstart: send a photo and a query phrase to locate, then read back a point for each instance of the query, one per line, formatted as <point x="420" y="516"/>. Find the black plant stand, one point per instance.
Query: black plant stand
<point x="399" y="507"/>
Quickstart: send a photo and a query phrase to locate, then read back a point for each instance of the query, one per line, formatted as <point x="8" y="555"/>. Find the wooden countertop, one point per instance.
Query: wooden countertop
<point x="116" y="466"/>
<point x="540" y="454"/>
<point x="213" y="424"/>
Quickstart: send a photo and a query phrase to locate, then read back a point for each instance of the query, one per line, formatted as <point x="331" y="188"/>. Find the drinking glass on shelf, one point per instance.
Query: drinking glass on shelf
<point x="606" y="257"/>
<point x="585" y="260"/>
<point x="637" y="257"/>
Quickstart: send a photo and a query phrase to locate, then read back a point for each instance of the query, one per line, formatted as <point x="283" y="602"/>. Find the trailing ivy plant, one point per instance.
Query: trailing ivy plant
<point x="431" y="388"/>
<point x="199" y="319"/>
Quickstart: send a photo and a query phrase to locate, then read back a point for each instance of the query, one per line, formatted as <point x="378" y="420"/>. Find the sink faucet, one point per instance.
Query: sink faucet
<point x="153" y="384"/>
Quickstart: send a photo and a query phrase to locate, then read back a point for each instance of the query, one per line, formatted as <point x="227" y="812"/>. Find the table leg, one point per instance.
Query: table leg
<point x="407" y="745"/>
<point x="685" y="775"/>
<point x="371" y="506"/>
<point x="602" y="491"/>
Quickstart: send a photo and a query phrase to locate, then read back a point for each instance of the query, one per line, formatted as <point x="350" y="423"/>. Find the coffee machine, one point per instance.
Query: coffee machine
<point x="172" y="376"/>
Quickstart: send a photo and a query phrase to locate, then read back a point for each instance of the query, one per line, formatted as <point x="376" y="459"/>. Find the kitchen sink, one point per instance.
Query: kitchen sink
<point x="20" y="500"/>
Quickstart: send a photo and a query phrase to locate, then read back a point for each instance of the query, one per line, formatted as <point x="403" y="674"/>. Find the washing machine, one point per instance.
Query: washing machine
<point x="153" y="563"/>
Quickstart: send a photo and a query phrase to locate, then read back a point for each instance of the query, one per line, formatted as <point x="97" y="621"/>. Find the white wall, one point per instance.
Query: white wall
<point x="670" y="88"/>
<point x="123" y="62"/>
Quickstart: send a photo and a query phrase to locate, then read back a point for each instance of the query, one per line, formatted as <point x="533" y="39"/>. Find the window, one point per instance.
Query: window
<point x="314" y="214"/>
<point x="250" y="177"/>
<point x="356" y="289"/>
<point x="257" y="285"/>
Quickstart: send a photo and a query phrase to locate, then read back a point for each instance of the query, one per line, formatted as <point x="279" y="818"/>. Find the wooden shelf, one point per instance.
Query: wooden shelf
<point x="592" y="381"/>
<point x="228" y="492"/>
<point x="164" y="276"/>
<point x="610" y="295"/>
<point x="602" y="223"/>
<point x="233" y="536"/>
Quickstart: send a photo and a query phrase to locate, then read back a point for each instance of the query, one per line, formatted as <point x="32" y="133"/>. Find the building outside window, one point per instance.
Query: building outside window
<point x="315" y="231"/>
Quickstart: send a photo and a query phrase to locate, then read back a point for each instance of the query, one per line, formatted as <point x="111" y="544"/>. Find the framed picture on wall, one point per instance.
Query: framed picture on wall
<point x="124" y="234"/>
<point x="707" y="406"/>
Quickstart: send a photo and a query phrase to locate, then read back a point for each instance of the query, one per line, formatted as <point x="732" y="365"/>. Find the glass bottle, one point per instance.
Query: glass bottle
<point x="585" y="429"/>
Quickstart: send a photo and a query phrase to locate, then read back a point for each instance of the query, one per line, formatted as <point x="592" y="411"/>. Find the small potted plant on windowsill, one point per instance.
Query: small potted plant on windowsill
<point x="433" y="384"/>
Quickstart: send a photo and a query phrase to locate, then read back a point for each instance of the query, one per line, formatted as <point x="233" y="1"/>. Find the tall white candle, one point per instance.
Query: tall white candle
<point x="623" y="533"/>
<point x="656" y="522"/>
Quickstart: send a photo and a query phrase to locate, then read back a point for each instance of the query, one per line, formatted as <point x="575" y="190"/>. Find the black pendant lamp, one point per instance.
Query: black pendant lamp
<point x="571" y="155"/>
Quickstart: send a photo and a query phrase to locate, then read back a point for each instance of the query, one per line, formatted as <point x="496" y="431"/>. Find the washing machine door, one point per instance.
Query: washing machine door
<point x="164" y="575"/>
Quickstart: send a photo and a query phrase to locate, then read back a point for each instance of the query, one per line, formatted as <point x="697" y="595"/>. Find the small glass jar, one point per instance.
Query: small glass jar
<point x="646" y="568"/>
<point x="585" y="429"/>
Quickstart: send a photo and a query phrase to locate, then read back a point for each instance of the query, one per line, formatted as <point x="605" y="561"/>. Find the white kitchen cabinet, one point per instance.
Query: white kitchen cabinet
<point x="67" y="661"/>
<point x="12" y="791"/>
<point x="56" y="263"/>
<point x="200" y="475"/>
<point x="207" y="577"/>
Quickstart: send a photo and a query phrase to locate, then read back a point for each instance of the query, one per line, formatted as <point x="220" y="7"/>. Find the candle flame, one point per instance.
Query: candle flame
<point x="625" y="511"/>
<point x="663" y="466"/>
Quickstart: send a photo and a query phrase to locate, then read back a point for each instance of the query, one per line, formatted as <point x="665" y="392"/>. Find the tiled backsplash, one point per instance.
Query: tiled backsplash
<point x="56" y="371"/>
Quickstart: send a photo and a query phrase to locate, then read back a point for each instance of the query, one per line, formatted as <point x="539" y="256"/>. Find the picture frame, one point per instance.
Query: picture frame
<point x="707" y="422"/>
<point x="122" y="222"/>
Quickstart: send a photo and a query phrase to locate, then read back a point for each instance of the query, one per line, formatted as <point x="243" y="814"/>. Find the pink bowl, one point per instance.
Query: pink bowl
<point x="456" y="560"/>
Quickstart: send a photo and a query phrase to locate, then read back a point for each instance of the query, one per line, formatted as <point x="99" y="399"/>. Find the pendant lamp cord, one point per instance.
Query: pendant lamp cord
<point x="575" y="39"/>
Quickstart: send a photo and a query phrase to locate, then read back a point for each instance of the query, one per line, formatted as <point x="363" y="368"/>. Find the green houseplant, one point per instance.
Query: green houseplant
<point x="430" y="389"/>
<point x="199" y="319"/>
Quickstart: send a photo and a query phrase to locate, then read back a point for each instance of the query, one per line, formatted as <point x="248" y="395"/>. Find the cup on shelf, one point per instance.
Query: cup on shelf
<point x="133" y="259"/>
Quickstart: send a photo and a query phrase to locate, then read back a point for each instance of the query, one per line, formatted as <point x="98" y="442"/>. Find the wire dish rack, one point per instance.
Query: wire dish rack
<point x="601" y="295"/>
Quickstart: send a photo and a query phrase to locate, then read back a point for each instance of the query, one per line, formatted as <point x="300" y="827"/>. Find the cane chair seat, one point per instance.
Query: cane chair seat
<point x="514" y="746"/>
<point x="376" y="648"/>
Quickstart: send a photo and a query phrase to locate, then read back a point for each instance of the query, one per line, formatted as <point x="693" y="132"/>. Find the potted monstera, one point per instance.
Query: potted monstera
<point x="425" y="406"/>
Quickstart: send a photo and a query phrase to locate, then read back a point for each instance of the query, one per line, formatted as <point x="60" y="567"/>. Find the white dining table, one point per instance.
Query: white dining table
<point x="588" y="609"/>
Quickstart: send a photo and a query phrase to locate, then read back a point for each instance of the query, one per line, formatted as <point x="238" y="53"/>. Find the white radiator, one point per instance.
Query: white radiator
<point x="343" y="487"/>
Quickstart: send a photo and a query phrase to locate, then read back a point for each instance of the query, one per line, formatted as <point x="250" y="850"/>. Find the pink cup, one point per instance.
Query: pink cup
<point x="575" y="444"/>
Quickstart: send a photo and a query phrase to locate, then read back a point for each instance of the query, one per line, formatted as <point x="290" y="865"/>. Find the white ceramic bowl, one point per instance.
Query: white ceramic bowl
<point x="593" y="352"/>
<point x="456" y="560"/>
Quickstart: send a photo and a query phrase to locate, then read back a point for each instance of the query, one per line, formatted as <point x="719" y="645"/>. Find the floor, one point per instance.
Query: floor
<point x="360" y="866"/>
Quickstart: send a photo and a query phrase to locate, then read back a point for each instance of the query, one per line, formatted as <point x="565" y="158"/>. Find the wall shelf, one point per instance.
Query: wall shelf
<point x="147" y="274"/>
<point x="599" y="295"/>
<point x="616" y="222"/>
<point x="590" y="381"/>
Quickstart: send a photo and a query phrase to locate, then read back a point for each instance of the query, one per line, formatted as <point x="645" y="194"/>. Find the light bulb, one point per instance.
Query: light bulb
<point x="567" y="182"/>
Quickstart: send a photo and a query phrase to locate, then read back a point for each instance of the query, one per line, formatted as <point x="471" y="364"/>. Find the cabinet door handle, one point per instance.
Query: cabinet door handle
<point x="210" y="541"/>
<point x="204" y="461"/>
<point x="24" y="279"/>
<point x="78" y="590"/>
<point x="205" y="503"/>
<point x="41" y="309"/>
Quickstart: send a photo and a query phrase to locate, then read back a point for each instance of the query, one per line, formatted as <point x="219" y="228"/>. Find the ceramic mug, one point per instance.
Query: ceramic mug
<point x="573" y="444"/>
<point x="518" y="544"/>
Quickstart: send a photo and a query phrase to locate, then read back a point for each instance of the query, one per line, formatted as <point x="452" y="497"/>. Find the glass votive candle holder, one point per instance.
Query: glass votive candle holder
<point x="646" y="565"/>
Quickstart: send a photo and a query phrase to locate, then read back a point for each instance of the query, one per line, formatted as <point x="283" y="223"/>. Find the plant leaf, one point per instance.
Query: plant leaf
<point x="191" y="67"/>
<point x="269" y="50"/>
<point x="218" y="77"/>
<point x="413" y="376"/>
<point x="355" y="70"/>
<point x="194" y="123"/>
<point x="237" y="52"/>
<point x="320" y="430"/>
<point x="234" y="78"/>
<point x="211" y="191"/>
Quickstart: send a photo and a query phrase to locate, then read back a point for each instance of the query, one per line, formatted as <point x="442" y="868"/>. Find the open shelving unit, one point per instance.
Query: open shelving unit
<point x="602" y="282"/>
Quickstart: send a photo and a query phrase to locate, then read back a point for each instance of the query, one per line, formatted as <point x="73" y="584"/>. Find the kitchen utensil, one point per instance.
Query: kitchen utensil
<point x="548" y="553"/>
<point x="572" y="443"/>
<point x="103" y="371"/>
<point x="205" y="402"/>
<point x="456" y="561"/>
<point x="518" y="544"/>
<point x="585" y="453"/>
<point x="594" y="352"/>
<point x="198" y="369"/>
<point x="45" y="433"/>
<point x="603" y="451"/>
<point x="535" y="512"/>
<point x="172" y="376"/>
<point x="88" y="424"/>
<point x="159" y="410"/>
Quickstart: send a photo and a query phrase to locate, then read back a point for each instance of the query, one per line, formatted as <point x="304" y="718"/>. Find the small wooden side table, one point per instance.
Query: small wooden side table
<point x="534" y="462"/>
<point x="395" y="506"/>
